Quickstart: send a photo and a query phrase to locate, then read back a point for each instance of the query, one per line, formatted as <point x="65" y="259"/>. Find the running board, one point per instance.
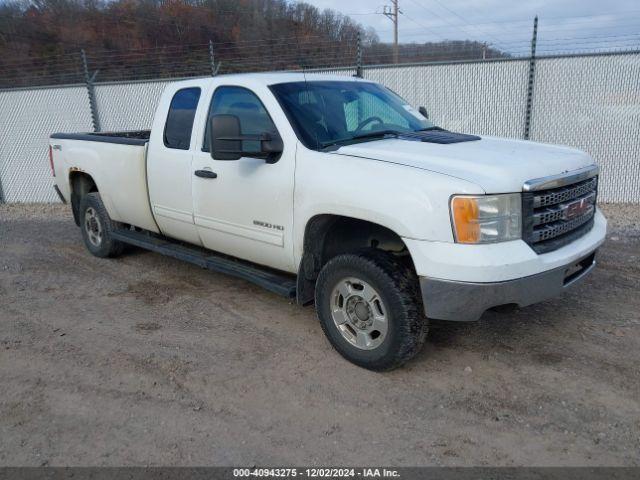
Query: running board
<point x="274" y="281"/>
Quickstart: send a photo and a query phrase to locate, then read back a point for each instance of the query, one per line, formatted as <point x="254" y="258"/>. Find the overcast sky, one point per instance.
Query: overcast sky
<point x="565" y="25"/>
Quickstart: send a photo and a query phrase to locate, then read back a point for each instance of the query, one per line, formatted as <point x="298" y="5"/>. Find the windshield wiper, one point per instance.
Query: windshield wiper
<point x="376" y="135"/>
<point x="362" y="136"/>
<point x="430" y="128"/>
<point x="379" y="133"/>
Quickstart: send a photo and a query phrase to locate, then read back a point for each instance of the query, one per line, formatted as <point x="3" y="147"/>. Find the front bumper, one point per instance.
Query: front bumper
<point x="498" y="262"/>
<point x="467" y="301"/>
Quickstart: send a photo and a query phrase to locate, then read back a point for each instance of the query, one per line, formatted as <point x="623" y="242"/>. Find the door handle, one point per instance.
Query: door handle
<point x="205" y="174"/>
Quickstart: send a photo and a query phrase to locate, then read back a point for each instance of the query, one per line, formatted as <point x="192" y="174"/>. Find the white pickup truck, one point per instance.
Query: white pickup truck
<point x="334" y="190"/>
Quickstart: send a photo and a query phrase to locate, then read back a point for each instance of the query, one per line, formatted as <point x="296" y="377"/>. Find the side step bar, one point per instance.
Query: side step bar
<point x="272" y="280"/>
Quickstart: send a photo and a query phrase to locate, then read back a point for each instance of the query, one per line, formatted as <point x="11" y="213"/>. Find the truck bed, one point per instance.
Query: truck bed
<point x="137" y="137"/>
<point x="116" y="162"/>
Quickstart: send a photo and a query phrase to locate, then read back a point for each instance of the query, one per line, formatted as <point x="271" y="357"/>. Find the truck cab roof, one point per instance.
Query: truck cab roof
<point x="270" y="78"/>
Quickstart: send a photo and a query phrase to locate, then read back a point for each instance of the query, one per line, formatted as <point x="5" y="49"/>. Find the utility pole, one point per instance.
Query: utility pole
<point x="391" y="12"/>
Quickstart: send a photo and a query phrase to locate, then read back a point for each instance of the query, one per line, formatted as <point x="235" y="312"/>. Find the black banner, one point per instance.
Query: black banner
<point x="412" y="473"/>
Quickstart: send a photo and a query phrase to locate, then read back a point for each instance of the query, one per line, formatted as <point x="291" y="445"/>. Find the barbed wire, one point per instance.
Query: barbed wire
<point x="286" y="53"/>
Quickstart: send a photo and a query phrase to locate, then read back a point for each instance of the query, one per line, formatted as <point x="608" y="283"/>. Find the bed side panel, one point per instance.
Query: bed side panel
<point x="120" y="173"/>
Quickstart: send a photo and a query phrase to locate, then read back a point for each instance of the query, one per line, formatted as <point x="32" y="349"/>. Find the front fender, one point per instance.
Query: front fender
<point x="409" y="201"/>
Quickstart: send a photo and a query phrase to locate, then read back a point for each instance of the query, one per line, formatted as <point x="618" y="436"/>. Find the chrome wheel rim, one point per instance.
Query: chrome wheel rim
<point x="93" y="227"/>
<point x="359" y="313"/>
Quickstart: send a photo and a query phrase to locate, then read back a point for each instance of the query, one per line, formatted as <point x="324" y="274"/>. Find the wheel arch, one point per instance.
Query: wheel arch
<point x="80" y="184"/>
<point x="329" y="235"/>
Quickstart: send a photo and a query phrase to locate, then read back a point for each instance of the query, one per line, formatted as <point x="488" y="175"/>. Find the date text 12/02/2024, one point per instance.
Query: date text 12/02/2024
<point x="317" y="472"/>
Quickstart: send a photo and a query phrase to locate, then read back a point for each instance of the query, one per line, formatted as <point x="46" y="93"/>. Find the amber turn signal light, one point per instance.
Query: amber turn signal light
<point x="465" y="219"/>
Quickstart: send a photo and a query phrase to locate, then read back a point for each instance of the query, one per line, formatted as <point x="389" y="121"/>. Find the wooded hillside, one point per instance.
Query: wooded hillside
<point x="152" y="38"/>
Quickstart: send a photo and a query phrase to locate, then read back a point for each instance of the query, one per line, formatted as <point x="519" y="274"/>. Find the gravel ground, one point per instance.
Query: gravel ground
<point x="144" y="360"/>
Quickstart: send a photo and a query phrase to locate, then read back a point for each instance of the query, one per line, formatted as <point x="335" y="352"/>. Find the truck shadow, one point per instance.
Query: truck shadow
<point x="448" y="333"/>
<point x="507" y="331"/>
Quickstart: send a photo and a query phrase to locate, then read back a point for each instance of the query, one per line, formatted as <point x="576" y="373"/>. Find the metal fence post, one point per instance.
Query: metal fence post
<point x="1" y="190"/>
<point x="95" y="120"/>
<point x="532" y="74"/>
<point x="359" y="57"/>
<point x="212" y="59"/>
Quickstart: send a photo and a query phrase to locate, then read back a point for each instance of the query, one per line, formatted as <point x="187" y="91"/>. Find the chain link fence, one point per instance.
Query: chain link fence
<point x="27" y="118"/>
<point x="487" y="98"/>
<point x="591" y="102"/>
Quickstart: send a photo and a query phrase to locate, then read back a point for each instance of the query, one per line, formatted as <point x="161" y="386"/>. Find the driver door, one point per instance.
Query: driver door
<point x="244" y="207"/>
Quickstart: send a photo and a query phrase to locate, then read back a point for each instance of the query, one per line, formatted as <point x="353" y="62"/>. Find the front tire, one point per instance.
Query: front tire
<point x="97" y="227"/>
<point x="369" y="309"/>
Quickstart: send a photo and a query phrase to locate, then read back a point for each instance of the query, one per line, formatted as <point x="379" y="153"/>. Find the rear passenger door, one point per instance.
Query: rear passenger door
<point x="169" y="165"/>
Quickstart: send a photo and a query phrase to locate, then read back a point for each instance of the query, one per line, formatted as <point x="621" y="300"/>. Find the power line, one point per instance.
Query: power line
<point x="424" y="27"/>
<point x="445" y="20"/>
<point x="549" y="24"/>
<point x="625" y="14"/>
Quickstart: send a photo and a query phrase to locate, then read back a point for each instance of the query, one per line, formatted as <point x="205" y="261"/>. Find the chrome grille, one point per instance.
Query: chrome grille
<point x="555" y="229"/>
<point x="560" y="211"/>
<point x="565" y="194"/>
<point x="556" y="216"/>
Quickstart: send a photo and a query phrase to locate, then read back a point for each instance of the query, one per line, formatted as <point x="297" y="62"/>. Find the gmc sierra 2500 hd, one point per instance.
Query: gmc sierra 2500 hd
<point x="335" y="190"/>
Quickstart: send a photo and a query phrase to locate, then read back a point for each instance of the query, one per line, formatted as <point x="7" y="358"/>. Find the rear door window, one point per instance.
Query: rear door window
<point x="177" y="130"/>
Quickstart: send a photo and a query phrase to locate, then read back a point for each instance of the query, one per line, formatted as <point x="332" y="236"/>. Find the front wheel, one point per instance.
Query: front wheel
<point x="369" y="310"/>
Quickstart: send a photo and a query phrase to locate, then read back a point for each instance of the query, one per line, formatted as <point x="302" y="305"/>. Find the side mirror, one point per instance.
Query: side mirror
<point x="423" y="112"/>
<point x="226" y="141"/>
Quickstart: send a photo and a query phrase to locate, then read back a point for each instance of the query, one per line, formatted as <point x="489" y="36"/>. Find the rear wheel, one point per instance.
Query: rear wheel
<point x="97" y="227"/>
<point x="369" y="308"/>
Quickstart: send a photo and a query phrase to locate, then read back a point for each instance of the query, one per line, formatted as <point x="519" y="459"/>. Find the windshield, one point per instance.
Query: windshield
<point x="325" y="113"/>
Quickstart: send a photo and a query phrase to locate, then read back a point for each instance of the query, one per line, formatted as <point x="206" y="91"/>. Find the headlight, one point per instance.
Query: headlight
<point x="486" y="218"/>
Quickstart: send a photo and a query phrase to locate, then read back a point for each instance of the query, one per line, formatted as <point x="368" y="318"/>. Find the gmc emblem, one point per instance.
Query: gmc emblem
<point x="578" y="208"/>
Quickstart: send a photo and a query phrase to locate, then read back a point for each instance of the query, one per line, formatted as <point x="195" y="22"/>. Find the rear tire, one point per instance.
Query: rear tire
<point x="369" y="309"/>
<point x="97" y="227"/>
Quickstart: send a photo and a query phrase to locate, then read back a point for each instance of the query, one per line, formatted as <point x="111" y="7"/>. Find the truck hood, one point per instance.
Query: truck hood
<point x="497" y="165"/>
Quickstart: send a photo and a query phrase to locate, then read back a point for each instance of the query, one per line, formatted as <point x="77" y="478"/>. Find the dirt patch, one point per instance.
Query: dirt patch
<point x="147" y="327"/>
<point x="145" y="360"/>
